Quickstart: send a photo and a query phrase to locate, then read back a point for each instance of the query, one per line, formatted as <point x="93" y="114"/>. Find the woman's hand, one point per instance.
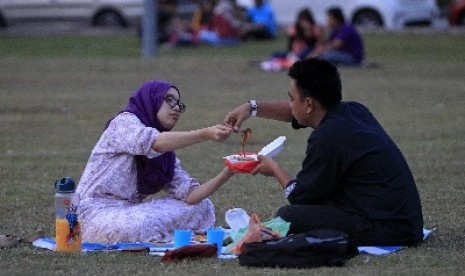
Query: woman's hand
<point x="237" y="116"/>
<point x="172" y="140"/>
<point x="228" y="172"/>
<point x="208" y="188"/>
<point x="218" y="133"/>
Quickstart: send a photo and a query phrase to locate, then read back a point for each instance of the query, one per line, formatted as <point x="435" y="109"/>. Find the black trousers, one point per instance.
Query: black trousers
<point x="361" y="230"/>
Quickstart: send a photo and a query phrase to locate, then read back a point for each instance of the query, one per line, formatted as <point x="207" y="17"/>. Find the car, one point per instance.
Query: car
<point x="457" y="13"/>
<point x="112" y="13"/>
<point x="389" y="14"/>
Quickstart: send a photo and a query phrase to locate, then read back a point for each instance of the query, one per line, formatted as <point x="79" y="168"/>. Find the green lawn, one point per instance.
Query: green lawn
<point x="57" y="93"/>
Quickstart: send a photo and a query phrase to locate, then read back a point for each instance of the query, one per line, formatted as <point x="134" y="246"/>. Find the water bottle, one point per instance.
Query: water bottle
<point x="68" y="232"/>
<point x="237" y="218"/>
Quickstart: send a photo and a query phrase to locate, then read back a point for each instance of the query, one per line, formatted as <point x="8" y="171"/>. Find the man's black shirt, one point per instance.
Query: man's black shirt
<point x="353" y="164"/>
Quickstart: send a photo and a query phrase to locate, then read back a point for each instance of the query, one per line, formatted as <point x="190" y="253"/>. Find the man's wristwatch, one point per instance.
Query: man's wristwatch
<point x="290" y="187"/>
<point x="253" y="108"/>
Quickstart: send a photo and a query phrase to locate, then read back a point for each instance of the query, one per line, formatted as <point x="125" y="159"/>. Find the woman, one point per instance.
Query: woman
<point x="303" y="37"/>
<point x="133" y="159"/>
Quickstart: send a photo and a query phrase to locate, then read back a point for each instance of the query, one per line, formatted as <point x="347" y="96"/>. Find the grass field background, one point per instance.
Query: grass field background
<point x="57" y="93"/>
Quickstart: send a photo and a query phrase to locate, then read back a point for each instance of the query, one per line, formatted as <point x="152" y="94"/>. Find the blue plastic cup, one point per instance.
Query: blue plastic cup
<point x="216" y="236"/>
<point x="182" y="237"/>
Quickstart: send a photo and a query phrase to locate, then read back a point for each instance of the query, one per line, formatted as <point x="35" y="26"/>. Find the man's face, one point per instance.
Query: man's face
<point x="299" y="106"/>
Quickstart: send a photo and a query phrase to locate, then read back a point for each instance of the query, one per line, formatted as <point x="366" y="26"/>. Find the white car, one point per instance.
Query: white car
<point x="390" y="14"/>
<point x="97" y="12"/>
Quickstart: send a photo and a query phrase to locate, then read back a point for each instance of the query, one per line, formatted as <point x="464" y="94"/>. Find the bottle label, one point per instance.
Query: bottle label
<point x="68" y="236"/>
<point x="72" y="218"/>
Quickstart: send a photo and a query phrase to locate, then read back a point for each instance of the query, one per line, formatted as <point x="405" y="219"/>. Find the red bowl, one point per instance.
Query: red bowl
<point x="239" y="165"/>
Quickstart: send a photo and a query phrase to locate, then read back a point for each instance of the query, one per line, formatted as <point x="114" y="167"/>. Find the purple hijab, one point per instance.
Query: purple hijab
<point x="152" y="174"/>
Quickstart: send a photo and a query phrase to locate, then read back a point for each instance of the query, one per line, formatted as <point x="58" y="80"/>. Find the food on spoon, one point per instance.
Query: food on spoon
<point x="246" y="135"/>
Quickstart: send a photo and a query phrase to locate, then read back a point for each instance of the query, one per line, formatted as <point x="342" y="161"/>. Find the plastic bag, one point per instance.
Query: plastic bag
<point x="257" y="232"/>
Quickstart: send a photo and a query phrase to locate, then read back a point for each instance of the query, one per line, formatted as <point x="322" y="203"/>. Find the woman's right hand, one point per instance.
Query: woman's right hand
<point x="218" y="133"/>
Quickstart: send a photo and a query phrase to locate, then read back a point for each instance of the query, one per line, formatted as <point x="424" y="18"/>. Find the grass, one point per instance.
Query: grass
<point x="58" y="92"/>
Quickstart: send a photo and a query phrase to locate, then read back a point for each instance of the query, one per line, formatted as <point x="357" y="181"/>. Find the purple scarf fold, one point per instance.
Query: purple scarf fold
<point x="152" y="174"/>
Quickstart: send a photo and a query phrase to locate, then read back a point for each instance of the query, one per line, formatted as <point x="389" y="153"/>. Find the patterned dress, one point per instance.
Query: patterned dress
<point x="112" y="210"/>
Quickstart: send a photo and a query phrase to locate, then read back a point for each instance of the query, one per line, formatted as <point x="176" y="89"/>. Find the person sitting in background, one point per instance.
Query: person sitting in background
<point x="171" y="29"/>
<point x="263" y="23"/>
<point x="133" y="159"/>
<point x="303" y="37"/>
<point x="166" y="15"/>
<point x="202" y="17"/>
<point x="228" y="25"/>
<point x="184" y="33"/>
<point x="354" y="178"/>
<point x="344" y="46"/>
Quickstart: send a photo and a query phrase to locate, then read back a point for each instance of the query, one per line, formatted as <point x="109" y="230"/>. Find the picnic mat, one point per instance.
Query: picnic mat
<point x="154" y="249"/>
<point x="159" y="249"/>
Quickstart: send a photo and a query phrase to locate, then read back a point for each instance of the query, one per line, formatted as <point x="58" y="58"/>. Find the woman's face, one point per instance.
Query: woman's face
<point x="170" y="111"/>
<point x="305" y="25"/>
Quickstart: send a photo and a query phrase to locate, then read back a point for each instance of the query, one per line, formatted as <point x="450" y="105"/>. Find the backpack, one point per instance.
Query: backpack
<point x="319" y="247"/>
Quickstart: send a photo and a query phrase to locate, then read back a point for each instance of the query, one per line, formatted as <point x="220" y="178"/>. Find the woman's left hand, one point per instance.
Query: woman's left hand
<point x="228" y="172"/>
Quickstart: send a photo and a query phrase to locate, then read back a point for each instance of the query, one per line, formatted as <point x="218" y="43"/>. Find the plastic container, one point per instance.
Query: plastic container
<point x="234" y="163"/>
<point x="246" y="162"/>
<point x="237" y="218"/>
<point x="67" y="228"/>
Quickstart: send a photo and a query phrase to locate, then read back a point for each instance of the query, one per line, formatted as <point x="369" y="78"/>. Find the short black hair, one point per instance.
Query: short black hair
<point x="318" y="79"/>
<point x="337" y="14"/>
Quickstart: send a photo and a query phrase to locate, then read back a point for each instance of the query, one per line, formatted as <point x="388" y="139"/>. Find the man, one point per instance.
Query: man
<point x="345" y="45"/>
<point x="353" y="178"/>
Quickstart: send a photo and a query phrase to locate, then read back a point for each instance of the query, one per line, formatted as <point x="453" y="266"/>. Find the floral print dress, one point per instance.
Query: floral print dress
<point x="112" y="210"/>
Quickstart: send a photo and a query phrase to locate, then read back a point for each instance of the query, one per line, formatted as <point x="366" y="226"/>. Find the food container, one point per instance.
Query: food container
<point x="237" y="218"/>
<point x="245" y="162"/>
<point x="242" y="162"/>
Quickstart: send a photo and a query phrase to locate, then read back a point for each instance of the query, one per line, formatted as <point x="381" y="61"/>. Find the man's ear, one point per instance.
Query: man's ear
<point x="310" y="102"/>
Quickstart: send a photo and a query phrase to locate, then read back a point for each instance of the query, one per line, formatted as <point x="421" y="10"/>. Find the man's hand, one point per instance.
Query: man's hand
<point x="237" y="116"/>
<point x="267" y="167"/>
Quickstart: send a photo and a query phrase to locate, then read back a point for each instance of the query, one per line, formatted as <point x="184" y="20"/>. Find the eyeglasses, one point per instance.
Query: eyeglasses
<point x="172" y="102"/>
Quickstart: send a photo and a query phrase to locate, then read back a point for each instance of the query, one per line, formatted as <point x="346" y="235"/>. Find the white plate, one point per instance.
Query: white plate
<point x="273" y="148"/>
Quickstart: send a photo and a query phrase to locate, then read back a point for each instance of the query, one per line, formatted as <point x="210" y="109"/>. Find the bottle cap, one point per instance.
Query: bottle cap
<point x="65" y="185"/>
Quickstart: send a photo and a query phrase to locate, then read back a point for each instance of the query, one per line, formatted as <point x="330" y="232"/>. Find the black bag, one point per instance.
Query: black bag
<point x="320" y="247"/>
